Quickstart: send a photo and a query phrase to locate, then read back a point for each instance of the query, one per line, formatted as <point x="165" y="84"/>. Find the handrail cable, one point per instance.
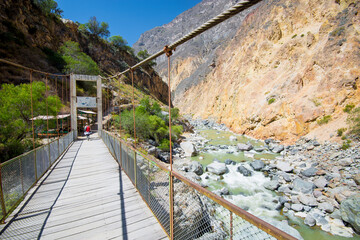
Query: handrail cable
<point x="239" y="7"/>
<point x="30" y="69"/>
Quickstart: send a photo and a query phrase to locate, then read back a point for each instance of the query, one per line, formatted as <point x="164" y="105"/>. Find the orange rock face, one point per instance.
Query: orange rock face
<point x="290" y="64"/>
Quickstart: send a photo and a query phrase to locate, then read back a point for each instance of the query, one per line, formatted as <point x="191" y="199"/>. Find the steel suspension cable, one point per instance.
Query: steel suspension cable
<point x="27" y="68"/>
<point x="241" y="6"/>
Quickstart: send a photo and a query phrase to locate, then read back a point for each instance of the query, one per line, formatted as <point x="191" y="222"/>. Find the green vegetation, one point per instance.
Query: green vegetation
<point x="76" y="61"/>
<point x="354" y="122"/>
<point x="120" y="43"/>
<point x="271" y="100"/>
<point x="340" y="131"/>
<point x="49" y="7"/>
<point x="144" y="55"/>
<point x="324" y="120"/>
<point x="94" y="27"/>
<point x="346" y="144"/>
<point x="15" y="116"/>
<point x="294" y="36"/>
<point x="151" y="123"/>
<point x="348" y="108"/>
<point x="302" y="35"/>
<point x="316" y="102"/>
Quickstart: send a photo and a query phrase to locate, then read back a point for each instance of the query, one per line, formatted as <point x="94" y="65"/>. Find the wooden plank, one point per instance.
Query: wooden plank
<point x="94" y="201"/>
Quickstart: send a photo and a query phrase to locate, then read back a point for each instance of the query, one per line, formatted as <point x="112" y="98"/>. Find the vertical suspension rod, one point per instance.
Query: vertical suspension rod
<point x="168" y="52"/>
<point x="133" y="100"/>
<point x="47" y="107"/>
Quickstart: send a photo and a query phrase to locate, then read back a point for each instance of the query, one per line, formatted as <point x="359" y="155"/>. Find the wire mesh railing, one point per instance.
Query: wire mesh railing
<point x="198" y="213"/>
<point x="19" y="174"/>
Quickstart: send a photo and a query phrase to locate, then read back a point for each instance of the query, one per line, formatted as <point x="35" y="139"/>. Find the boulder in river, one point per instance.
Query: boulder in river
<point x="217" y="168"/>
<point x="308" y="200"/>
<point x="189" y="149"/>
<point x="284" y="166"/>
<point x="309" y="220"/>
<point x="244" y="171"/>
<point x="197" y="168"/>
<point x="278" y="149"/>
<point x="233" y="138"/>
<point x="302" y="186"/>
<point x="272" y="185"/>
<point x="257" y="165"/>
<point x="309" y="172"/>
<point x="244" y="147"/>
<point x="229" y="162"/>
<point x="350" y="211"/>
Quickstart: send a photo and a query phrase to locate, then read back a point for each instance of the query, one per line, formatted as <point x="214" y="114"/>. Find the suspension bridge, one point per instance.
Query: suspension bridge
<point x="107" y="188"/>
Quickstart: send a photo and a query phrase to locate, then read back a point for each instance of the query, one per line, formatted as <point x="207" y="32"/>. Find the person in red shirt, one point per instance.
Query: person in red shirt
<point x="87" y="131"/>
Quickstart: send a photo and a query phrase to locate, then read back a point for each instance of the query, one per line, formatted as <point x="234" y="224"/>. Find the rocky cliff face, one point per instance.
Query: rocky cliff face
<point x="30" y="38"/>
<point x="288" y="64"/>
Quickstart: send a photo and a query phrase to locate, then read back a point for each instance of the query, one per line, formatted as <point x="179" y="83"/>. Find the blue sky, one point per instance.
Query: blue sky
<point x="127" y="18"/>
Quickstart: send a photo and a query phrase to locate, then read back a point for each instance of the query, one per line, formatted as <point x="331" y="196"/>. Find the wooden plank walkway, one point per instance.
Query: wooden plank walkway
<point x="86" y="196"/>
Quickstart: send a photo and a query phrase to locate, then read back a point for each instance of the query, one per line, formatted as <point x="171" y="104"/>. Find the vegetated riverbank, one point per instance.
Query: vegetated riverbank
<point x="306" y="184"/>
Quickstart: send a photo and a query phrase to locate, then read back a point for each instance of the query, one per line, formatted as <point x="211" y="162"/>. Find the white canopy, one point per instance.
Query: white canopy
<point x="43" y="117"/>
<point x="88" y="112"/>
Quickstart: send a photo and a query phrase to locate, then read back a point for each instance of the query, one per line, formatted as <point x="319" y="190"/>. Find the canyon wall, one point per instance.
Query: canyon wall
<point x="287" y="65"/>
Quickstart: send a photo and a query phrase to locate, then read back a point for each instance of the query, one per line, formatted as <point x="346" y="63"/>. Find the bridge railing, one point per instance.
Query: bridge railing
<point x="19" y="174"/>
<point x="198" y="213"/>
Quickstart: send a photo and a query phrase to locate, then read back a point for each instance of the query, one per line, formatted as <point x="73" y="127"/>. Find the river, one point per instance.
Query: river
<point x="248" y="192"/>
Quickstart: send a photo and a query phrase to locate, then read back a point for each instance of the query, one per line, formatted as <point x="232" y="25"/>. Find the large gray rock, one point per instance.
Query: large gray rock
<point x="350" y="211"/>
<point x="278" y="149"/>
<point x="284" y="166"/>
<point x="189" y="149"/>
<point x="244" y="147"/>
<point x="308" y="200"/>
<point x="309" y="220"/>
<point x="300" y="185"/>
<point x="345" y="162"/>
<point x="223" y="191"/>
<point x="233" y="138"/>
<point x="327" y="207"/>
<point x="257" y="165"/>
<point x="244" y="171"/>
<point x="297" y="207"/>
<point x="321" y="182"/>
<point x="197" y="168"/>
<point x="272" y="185"/>
<point x="309" y="172"/>
<point x="217" y="168"/>
<point x="282" y="225"/>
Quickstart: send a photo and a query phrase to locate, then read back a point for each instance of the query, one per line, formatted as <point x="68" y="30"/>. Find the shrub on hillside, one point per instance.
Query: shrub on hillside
<point x="348" y="108"/>
<point x="49" y="7"/>
<point x="354" y="122"/>
<point x="94" y="27"/>
<point x="324" y="120"/>
<point x="77" y="61"/>
<point x="15" y="116"/>
<point x="142" y="55"/>
<point x="150" y="123"/>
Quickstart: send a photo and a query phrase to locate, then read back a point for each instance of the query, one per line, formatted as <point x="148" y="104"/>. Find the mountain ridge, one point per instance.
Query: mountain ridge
<point x="288" y="65"/>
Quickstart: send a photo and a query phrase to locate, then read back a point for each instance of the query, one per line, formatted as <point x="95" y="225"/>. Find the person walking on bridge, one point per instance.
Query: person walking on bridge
<point x="87" y="131"/>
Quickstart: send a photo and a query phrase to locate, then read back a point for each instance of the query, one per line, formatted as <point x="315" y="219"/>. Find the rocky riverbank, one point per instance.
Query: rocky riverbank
<point x="319" y="183"/>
